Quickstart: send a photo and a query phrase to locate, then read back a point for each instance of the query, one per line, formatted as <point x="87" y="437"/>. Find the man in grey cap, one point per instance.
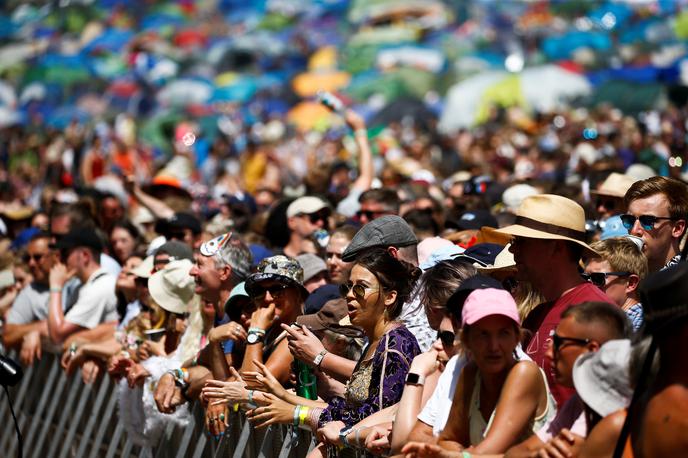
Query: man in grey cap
<point x="394" y="234"/>
<point x="315" y="272"/>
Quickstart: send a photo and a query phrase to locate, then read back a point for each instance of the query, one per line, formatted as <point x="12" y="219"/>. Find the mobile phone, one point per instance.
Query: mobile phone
<point x="331" y="101"/>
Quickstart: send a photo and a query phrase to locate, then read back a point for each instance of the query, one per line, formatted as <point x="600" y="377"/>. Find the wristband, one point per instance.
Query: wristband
<point x="250" y="396"/>
<point x="235" y="407"/>
<point x="363" y="132"/>
<point x="357" y="436"/>
<point x="257" y="331"/>
<point x="303" y="414"/>
<point x="55" y="290"/>
<point x="185" y="374"/>
<point x="465" y="454"/>
<point x="297" y="409"/>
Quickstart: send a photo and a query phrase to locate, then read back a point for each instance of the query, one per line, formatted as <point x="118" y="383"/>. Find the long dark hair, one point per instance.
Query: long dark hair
<point x="393" y="275"/>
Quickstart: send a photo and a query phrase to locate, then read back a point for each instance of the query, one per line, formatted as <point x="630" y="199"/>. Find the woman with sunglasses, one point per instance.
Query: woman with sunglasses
<point x="499" y="400"/>
<point x="378" y="287"/>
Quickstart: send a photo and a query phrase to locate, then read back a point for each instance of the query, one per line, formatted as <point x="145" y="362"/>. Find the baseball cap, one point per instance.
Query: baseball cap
<point x="328" y="317"/>
<point x="311" y="264"/>
<point x="475" y="219"/>
<point x="305" y="206"/>
<point x="385" y="231"/>
<point x="613" y="227"/>
<point x="489" y="301"/>
<point x="237" y="292"/>
<point x="481" y="254"/>
<point x="176" y="250"/>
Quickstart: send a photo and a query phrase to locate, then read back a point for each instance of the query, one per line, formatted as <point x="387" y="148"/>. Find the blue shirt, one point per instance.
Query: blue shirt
<point x="227" y="345"/>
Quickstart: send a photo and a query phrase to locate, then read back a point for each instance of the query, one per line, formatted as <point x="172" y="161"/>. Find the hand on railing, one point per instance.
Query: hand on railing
<point x="216" y="392"/>
<point x="329" y="433"/>
<point x="137" y="375"/>
<point x="30" y="348"/>
<point x="90" y="371"/>
<point x="118" y="366"/>
<point x="271" y="410"/>
<point x="216" y="419"/>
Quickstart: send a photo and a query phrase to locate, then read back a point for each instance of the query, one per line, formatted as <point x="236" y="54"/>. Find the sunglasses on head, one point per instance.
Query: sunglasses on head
<point x="647" y="222"/>
<point x="447" y="338"/>
<point x="558" y="341"/>
<point x="274" y="290"/>
<point x="599" y="279"/>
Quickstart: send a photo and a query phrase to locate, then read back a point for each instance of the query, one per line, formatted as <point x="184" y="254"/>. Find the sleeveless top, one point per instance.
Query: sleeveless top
<point x="478" y="428"/>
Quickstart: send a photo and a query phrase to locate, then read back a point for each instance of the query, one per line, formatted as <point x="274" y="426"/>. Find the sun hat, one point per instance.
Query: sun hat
<point x="385" y="231"/>
<point x="278" y="268"/>
<point x="489" y="301"/>
<point x="615" y="185"/>
<point x="312" y="265"/>
<point x="305" y="206"/>
<point x="613" y="227"/>
<point x="513" y="196"/>
<point x="458" y="297"/>
<point x="504" y="261"/>
<point x="550" y="217"/>
<point x="145" y="269"/>
<point x="172" y="288"/>
<point x="602" y="378"/>
<point x="329" y="317"/>
<point x="664" y="296"/>
<point x="640" y="171"/>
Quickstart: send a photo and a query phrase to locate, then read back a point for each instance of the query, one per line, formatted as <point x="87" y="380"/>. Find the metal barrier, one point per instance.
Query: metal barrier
<point x="62" y="417"/>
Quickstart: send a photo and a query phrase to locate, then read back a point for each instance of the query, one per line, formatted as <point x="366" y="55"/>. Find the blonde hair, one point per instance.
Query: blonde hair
<point x="527" y="298"/>
<point x="622" y="255"/>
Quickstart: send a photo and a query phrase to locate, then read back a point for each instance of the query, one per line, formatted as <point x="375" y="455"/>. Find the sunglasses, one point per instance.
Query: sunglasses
<point x="36" y="257"/>
<point x="274" y="290"/>
<point x="608" y="204"/>
<point x="447" y="338"/>
<point x="370" y="214"/>
<point x="647" y="222"/>
<point x="315" y="217"/>
<point x="599" y="279"/>
<point x="558" y="341"/>
<point x="358" y="290"/>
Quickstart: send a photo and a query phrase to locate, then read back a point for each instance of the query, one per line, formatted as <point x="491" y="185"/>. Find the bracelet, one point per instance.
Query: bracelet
<point x="256" y="331"/>
<point x="250" y="396"/>
<point x="297" y="409"/>
<point x="235" y="407"/>
<point x="303" y="414"/>
<point x="465" y="454"/>
<point x="358" y="132"/>
<point x="185" y="374"/>
<point x="55" y="290"/>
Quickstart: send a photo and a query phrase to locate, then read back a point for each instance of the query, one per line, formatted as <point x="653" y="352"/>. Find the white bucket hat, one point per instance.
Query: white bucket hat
<point x="172" y="288"/>
<point x="602" y="378"/>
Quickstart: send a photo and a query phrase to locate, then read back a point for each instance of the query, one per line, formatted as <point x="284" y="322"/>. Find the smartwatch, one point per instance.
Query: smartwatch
<point x="343" y="433"/>
<point x="415" y="379"/>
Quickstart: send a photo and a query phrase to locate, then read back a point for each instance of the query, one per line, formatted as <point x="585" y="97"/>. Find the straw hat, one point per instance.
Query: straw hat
<point x="550" y="217"/>
<point x="172" y="288"/>
<point x="615" y="185"/>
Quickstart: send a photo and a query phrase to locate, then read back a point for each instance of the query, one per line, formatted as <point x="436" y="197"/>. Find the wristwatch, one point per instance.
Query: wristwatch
<point x="415" y="379"/>
<point x="317" y="361"/>
<point x="343" y="433"/>
<point x="255" y="335"/>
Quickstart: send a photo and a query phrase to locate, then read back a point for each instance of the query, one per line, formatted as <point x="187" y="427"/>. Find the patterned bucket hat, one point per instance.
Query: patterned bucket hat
<point x="278" y="268"/>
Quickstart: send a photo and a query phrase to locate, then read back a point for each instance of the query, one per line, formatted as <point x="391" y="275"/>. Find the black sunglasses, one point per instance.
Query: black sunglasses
<point x="599" y="279"/>
<point x="647" y="222"/>
<point x="315" y="217"/>
<point x="36" y="257"/>
<point x="558" y="341"/>
<point x="447" y="338"/>
<point x="275" y="291"/>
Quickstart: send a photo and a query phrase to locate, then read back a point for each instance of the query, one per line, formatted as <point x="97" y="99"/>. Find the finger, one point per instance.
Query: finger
<point x="217" y="402"/>
<point x="213" y="383"/>
<point x="568" y="435"/>
<point x="559" y="448"/>
<point x="39" y="353"/>
<point x="235" y="373"/>
<point x="290" y="331"/>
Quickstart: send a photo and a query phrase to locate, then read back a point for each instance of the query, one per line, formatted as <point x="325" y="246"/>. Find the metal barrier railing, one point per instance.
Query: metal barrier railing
<point x="62" y="417"/>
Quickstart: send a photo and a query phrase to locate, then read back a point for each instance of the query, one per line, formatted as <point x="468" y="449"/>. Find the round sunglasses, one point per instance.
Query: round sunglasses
<point x="358" y="290"/>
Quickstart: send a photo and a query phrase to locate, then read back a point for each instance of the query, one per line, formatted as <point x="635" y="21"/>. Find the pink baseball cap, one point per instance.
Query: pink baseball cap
<point x="490" y="301"/>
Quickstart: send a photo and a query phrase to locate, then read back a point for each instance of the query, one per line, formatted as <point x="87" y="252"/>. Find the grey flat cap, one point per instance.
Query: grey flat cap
<point x="386" y="231"/>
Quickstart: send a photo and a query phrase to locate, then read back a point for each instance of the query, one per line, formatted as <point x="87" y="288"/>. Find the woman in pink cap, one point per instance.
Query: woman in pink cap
<point x="499" y="400"/>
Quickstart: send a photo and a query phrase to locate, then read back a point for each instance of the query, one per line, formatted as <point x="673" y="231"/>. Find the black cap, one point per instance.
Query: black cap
<point x="483" y="254"/>
<point x="456" y="300"/>
<point x="79" y="237"/>
<point x="178" y="223"/>
<point x="475" y="219"/>
<point x="664" y="296"/>
<point x="319" y="297"/>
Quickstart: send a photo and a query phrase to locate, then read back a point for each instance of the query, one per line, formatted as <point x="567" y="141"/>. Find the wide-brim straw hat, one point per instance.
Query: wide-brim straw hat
<point x="615" y="185"/>
<point x="172" y="288"/>
<point x="550" y="217"/>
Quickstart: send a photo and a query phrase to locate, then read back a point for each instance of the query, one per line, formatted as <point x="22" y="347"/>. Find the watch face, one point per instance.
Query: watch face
<point x="252" y="338"/>
<point x="412" y="378"/>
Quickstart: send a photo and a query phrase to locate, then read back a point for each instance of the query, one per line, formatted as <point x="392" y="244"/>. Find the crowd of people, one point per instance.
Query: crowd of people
<point x="488" y="314"/>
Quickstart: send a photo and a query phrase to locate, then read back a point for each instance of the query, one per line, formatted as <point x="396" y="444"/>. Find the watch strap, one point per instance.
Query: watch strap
<point x="415" y="379"/>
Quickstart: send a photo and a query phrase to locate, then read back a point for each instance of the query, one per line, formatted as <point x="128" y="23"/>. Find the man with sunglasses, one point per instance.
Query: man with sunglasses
<point x="618" y="271"/>
<point x="305" y="216"/>
<point x="26" y="320"/>
<point x="96" y="302"/>
<point x="583" y="328"/>
<point x="657" y="212"/>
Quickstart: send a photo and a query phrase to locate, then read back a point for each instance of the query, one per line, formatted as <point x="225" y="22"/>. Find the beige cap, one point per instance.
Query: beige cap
<point x="172" y="288"/>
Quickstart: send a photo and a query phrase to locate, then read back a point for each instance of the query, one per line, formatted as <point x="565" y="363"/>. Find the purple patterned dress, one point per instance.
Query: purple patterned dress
<point x="376" y="383"/>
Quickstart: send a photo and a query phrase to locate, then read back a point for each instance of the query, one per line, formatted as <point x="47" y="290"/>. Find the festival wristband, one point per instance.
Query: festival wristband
<point x="296" y="415"/>
<point x="303" y="414"/>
